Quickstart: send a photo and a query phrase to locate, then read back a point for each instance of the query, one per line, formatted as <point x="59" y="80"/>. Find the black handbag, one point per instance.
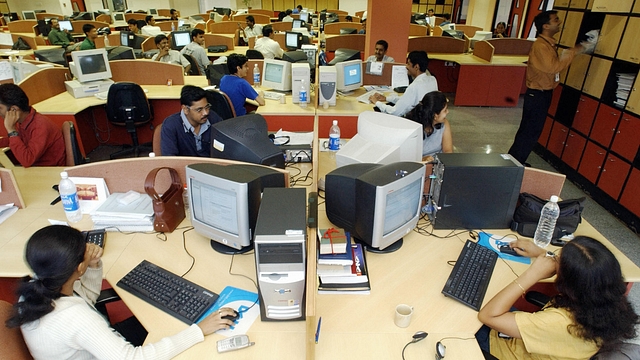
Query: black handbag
<point x="527" y="214"/>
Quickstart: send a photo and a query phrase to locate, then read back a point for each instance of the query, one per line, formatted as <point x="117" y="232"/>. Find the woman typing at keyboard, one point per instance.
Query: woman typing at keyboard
<point x="590" y="313"/>
<point x="55" y="311"/>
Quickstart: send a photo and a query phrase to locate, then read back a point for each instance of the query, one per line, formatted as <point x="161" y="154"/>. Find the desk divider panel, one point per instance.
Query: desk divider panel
<point x="219" y="39"/>
<point x="384" y="79"/>
<point x="29" y="39"/>
<point x="54" y="79"/>
<point x="436" y="44"/>
<point x="22" y="26"/>
<point x="350" y="41"/>
<point x="542" y="183"/>
<point x="78" y="24"/>
<point x="484" y="50"/>
<point x="225" y="27"/>
<point x="144" y="72"/>
<point x="10" y="190"/>
<point x="511" y="46"/>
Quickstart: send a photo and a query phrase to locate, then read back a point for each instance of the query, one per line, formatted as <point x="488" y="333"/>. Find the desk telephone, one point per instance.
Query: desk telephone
<point x="95" y="236"/>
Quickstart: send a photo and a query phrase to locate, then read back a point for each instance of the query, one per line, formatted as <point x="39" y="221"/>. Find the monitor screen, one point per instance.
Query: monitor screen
<point x="304" y="16"/>
<point x="377" y="204"/>
<point x="28" y="15"/>
<point x="402" y="140"/>
<point x="124" y="38"/>
<point x="297" y="23"/>
<point x="293" y="40"/>
<point x="90" y="65"/>
<point x="153" y="12"/>
<point x="276" y="75"/>
<point x="349" y="76"/>
<point x="180" y="39"/>
<point x="118" y="17"/>
<point x="65" y="25"/>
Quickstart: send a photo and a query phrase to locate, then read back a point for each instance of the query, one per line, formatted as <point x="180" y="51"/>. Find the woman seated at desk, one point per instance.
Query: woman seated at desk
<point x="590" y="313"/>
<point x="500" y="31"/>
<point x="432" y="112"/>
<point x="56" y="314"/>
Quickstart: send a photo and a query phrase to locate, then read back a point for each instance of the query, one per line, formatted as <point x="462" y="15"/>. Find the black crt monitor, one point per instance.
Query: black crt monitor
<point x="39" y="11"/>
<point x="44" y="27"/>
<point x="120" y="53"/>
<point x="457" y="34"/>
<point x="295" y="56"/>
<point x="129" y="39"/>
<point x="222" y="11"/>
<point x="342" y="55"/>
<point x="84" y="16"/>
<point x="347" y="31"/>
<point x="180" y="39"/>
<point x="377" y="204"/>
<point x="245" y="138"/>
<point x="293" y="40"/>
<point x="56" y="56"/>
<point x="14" y="16"/>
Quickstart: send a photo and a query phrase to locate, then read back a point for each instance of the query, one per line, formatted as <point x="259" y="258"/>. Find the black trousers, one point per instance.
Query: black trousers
<point x="534" y="113"/>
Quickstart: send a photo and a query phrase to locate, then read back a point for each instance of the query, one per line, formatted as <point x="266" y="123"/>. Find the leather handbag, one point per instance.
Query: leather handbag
<point x="168" y="207"/>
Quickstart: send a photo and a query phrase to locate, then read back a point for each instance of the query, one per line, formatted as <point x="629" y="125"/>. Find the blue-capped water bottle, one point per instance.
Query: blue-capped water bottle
<point x="334" y="137"/>
<point x="69" y="197"/>
<point x="256" y="75"/>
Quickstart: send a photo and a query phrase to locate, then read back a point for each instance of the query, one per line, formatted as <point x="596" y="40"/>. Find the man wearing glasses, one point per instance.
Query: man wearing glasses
<point x="187" y="133"/>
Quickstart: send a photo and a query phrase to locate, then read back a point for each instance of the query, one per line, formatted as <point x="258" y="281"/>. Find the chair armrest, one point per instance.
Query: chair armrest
<point x="5" y="162"/>
<point x="537" y="298"/>
<point x="106" y="296"/>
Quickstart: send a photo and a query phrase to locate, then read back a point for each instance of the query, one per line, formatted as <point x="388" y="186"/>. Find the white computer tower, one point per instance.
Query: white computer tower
<point x="280" y="250"/>
<point x="328" y="79"/>
<point x="299" y="72"/>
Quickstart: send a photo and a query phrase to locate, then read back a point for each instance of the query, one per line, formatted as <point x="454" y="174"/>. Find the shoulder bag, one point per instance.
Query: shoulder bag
<point x="168" y="208"/>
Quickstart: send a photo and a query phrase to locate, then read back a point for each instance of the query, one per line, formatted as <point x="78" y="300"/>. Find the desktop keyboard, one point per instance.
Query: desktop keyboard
<point x="168" y="292"/>
<point x="95" y="237"/>
<point x="471" y="275"/>
<point x="364" y="98"/>
<point x="272" y="95"/>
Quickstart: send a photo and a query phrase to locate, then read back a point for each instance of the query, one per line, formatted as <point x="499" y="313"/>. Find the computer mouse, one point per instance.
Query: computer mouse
<point x="233" y="317"/>
<point x="506" y="249"/>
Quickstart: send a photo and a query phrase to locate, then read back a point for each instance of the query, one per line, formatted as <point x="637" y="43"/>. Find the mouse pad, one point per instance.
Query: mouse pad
<point x="240" y="300"/>
<point x="494" y="243"/>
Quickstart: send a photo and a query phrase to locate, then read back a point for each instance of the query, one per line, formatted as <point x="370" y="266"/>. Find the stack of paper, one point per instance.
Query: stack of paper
<point x="624" y="86"/>
<point x="117" y="215"/>
<point x="346" y="279"/>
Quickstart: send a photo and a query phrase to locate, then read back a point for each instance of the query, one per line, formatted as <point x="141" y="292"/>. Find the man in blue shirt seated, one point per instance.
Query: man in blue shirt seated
<point x="236" y="87"/>
<point x="187" y="133"/>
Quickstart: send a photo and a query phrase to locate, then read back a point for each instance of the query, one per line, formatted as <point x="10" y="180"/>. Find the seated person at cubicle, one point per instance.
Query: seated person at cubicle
<point x="381" y="52"/>
<point x="90" y="33"/>
<point x="59" y="37"/>
<point x="298" y="9"/>
<point x="196" y="50"/>
<point x="251" y="30"/>
<point x="590" y="313"/>
<point x="167" y="55"/>
<point x="363" y="23"/>
<point x="150" y="29"/>
<point x="186" y="133"/>
<point x="432" y="112"/>
<point x="133" y="26"/>
<point x="423" y="83"/>
<point x="56" y="313"/>
<point x="431" y="18"/>
<point x="236" y="87"/>
<point x="269" y="48"/>
<point x="447" y="20"/>
<point x="33" y="138"/>
<point x="288" y="17"/>
<point x="500" y="31"/>
<point x="174" y="14"/>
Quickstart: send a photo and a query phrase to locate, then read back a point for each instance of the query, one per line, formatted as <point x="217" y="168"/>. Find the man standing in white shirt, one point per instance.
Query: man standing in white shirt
<point x="196" y="50"/>
<point x="381" y="52"/>
<point x="252" y="29"/>
<point x="167" y="55"/>
<point x="269" y="48"/>
<point x="417" y="63"/>
<point x="151" y="29"/>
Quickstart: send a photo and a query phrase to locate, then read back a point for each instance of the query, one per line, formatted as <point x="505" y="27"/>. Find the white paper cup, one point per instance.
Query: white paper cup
<point x="403" y="315"/>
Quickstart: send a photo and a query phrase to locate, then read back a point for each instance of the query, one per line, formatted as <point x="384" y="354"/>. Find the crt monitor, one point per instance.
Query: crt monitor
<point x="458" y="34"/>
<point x="348" y="31"/>
<point x="342" y="54"/>
<point x="349" y="76"/>
<point x="225" y="200"/>
<point x="66" y="25"/>
<point x="120" y="53"/>
<point x="377" y="204"/>
<point x="293" y="40"/>
<point x="28" y="15"/>
<point x="127" y="38"/>
<point x="297" y="23"/>
<point x="276" y="75"/>
<point x="245" y="138"/>
<point x="295" y="56"/>
<point x="180" y="39"/>
<point x="84" y="16"/>
<point x="382" y="139"/>
<point x="118" y="17"/>
<point x="304" y="16"/>
<point x="222" y="11"/>
<point x="153" y="12"/>
<point x="90" y="65"/>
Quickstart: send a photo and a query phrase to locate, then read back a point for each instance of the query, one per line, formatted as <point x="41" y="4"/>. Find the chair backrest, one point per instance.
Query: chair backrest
<point x="148" y="44"/>
<point x="13" y="345"/>
<point x="282" y="26"/>
<point x="254" y="54"/>
<point x="625" y="351"/>
<point x="157" y="136"/>
<point x="259" y="18"/>
<point x="74" y="155"/>
<point x="195" y="69"/>
<point x="221" y="104"/>
<point x="123" y="96"/>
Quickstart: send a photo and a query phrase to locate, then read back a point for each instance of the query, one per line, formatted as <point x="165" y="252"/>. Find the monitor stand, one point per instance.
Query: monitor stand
<point x="346" y="93"/>
<point x="389" y="249"/>
<point x="228" y="250"/>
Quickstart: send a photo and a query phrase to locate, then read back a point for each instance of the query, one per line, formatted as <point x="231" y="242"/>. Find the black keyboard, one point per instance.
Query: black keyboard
<point x="471" y="275"/>
<point x="168" y="292"/>
<point x="95" y="237"/>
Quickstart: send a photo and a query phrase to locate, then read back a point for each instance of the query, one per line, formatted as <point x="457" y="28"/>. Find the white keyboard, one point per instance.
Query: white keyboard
<point x="365" y="97"/>
<point x="102" y="95"/>
<point x="272" y="95"/>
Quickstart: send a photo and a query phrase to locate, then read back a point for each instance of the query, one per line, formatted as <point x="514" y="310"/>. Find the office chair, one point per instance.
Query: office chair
<point x="141" y="23"/>
<point x="13" y="345"/>
<point x="72" y="149"/>
<point x="127" y="105"/>
<point x="254" y="54"/>
<point x="195" y="69"/>
<point x="157" y="138"/>
<point x="221" y="104"/>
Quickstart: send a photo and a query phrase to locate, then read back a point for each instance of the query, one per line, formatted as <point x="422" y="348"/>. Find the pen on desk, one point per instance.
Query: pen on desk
<point x="318" y="329"/>
<point x="55" y="201"/>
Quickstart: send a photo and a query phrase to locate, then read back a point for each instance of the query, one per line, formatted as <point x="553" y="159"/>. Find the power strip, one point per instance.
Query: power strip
<point x="302" y="155"/>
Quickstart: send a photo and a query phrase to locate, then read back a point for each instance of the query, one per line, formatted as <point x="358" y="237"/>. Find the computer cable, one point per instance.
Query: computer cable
<point x="418" y="336"/>
<point x="245" y="276"/>
<point x="184" y="245"/>
<point x="295" y="181"/>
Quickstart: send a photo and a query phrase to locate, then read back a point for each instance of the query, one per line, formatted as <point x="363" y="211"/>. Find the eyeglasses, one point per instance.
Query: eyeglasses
<point x="199" y="110"/>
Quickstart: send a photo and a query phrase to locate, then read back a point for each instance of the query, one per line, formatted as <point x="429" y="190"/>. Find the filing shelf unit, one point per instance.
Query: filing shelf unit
<point x="593" y="141"/>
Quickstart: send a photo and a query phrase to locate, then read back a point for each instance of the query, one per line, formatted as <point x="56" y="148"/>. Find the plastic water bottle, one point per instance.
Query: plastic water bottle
<point x="547" y="223"/>
<point x="106" y="41"/>
<point x="303" y="97"/>
<point x="185" y="200"/>
<point x="69" y="197"/>
<point x="334" y="137"/>
<point x="173" y="26"/>
<point x="256" y="75"/>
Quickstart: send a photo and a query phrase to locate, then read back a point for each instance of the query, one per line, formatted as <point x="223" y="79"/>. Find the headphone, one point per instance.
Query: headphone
<point x="440" y="350"/>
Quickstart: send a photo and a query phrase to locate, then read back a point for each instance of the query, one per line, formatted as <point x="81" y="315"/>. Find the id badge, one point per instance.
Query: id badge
<point x="557" y="77"/>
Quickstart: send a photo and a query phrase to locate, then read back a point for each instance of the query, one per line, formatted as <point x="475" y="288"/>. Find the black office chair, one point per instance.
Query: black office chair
<point x="127" y="105"/>
<point x="254" y="54"/>
<point x="221" y="104"/>
<point x="72" y="149"/>
<point x="141" y="23"/>
<point x="195" y="69"/>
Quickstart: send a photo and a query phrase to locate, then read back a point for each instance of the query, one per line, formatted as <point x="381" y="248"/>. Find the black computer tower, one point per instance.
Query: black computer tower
<point x="474" y="191"/>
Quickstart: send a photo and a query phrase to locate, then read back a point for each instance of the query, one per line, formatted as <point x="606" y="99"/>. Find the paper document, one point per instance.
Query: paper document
<point x="138" y="209"/>
<point x="6" y="211"/>
<point x="295" y="138"/>
<point x="6" y="70"/>
<point x="399" y="76"/>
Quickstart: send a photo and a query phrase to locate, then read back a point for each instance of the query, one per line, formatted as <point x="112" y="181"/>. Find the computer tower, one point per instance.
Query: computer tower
<point x="299" y="72"/>
<point x="474" y="191"/>
<point x="328" y="79"/>
<point x="280" y="249"/>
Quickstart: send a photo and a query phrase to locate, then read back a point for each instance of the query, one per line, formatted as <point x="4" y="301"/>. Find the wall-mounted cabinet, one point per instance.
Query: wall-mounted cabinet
<point x="578" y="71"/>
<point x="633" y="103"/>
<point x="629" y="49"/>
<point x="604" y="127"/>
<point x="585" y="114"/>
<point x="571" y="28"/>
<point x="573" y="149"/>
<point x="592" y="161"/>
<point x="561" y="3"/>
<point x="629" y="198"/>
<point x="596" y="76"/>
<point x="610" y="35"/>
<point x="636" y="8"/>
<point x="578" y="4"/>
<point x="620" y="6"/>
<point x="613" y="176"/>
<point x="626" y="142"/>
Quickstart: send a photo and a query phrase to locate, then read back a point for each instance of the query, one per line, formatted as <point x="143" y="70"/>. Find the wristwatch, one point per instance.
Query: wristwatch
<point x="12" y="134"/>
